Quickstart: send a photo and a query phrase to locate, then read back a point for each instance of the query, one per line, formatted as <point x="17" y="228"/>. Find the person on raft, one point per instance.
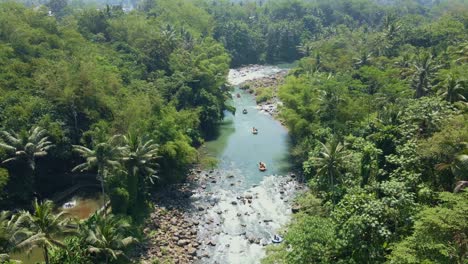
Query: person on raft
<point x="261" y="165"/>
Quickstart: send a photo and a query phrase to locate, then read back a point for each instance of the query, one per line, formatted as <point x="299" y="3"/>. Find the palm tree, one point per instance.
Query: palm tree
<point x="364" y="58"/>
<point x="45" y="227"/>
<point x="305" y="49"/>
<point x="452" y="89"/>
<point x="463" y="53"/>
<point x="329" y="162"/>
<point x="106" y="236"/>
<point x="458" y="164"/>
<point x="103" y="157"/>
<point x="139" y="158"/>
<point x="424" y="69"/>
<point x="11" y="234"/>
<point x="26" y="146"/>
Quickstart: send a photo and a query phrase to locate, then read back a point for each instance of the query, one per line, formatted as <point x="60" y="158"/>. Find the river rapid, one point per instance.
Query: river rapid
<point x="240" y="208"/>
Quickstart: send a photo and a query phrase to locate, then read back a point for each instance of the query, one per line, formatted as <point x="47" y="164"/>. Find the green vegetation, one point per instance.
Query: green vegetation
<point x="378" y="115"/>
<point x="264" y="94"/>
<point x="376" y="109"/>
<point x="127" y="97"/>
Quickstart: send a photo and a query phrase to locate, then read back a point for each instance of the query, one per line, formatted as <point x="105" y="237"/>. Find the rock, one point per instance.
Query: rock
<point x="230" y="176"/>
<point x="251" y="240"/>
<point x="281" y="192"/>
<point x="192" y="251"/>
<point x="201" y="208"/>
<point x="295" y="209"/>
<point x="239" y="214"/>
<point x="267" y="220"/>
<point x="182" y="242"/>
<point x="211" y="243"/>
<point x="213" y="181"/>
<point x="198" y="171"/>
<point x="203" y="186"/>
<point x="234" y="203"/>
<point x="248" y="196"/>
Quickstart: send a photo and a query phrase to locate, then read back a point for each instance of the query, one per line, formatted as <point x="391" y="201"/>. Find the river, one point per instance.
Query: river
<point x="244" y="206"/>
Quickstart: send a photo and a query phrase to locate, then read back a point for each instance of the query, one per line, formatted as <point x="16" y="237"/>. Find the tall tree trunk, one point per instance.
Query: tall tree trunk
<point x="101" y="176"/>
<point x="46" y="254"/>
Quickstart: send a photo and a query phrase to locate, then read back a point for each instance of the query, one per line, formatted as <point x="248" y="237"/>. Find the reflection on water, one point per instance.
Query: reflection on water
<point x="87" y="202"/>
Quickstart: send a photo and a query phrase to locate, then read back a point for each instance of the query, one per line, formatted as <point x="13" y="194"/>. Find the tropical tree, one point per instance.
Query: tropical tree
<point x="440" y="234"/>
<point x="462" y="52"/>
<point x="11" y="234"/>
<point x="458" y="164"/>
<point x="364" y="58"/>
<point x="25" y="146"/>
<point x="329" y="161"/>
<point x="424" y="68"/>
<point x="452" y="89"/>
<point x="139" y="158"/>
<point x="104" y="157"/>
<point x="106" y="236"/>
<point x="45" y="227"/>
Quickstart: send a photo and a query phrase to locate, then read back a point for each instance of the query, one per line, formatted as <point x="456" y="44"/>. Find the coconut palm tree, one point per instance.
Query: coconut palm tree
<point x="106" y="236"/>
<point x="139" y="158"/>
<point x="462" y="52"/>
<point x="424" y="69"/>
<point x="25" y="146"/>
<point x="452" y="89"/>
<point x="329" y="162"/>
<point x="458" y="164"/>
<point x="45" y="227"/>
<point x="364" y="58"/>
<point x="104" y="157"/>
<point x="11" y="234"/>
<point x="305" y="49"/>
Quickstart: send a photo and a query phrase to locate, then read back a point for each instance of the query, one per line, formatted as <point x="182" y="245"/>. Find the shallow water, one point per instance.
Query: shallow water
<point x="87" y="202"/>
<point x="238" y="228"/>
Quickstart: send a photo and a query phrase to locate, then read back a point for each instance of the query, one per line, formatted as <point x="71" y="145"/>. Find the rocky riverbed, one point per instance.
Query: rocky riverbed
<point x="272" y="82"/>
<point x="192" y="222"/>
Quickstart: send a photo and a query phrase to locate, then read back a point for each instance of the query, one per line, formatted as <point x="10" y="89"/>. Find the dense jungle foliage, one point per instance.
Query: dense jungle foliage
<point x="376" y="109"/>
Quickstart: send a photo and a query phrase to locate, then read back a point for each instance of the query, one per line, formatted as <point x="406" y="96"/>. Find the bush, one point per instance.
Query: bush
<point x="264" y="94"/>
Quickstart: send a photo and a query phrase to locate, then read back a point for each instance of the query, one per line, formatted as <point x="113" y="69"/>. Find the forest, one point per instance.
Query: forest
<point x="376" y="109"/>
